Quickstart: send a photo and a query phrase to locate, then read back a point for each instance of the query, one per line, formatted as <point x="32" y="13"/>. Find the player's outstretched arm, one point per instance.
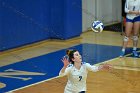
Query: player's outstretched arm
<point x="105" y="67"/>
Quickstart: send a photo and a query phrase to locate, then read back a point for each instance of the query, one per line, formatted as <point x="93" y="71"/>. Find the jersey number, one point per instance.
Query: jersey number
<point x="133" y="8"/>
<point x="80" y="78"/>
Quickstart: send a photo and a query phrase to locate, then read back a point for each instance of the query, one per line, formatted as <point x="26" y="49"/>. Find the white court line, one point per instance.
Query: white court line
<point x="126" y="68"/>
<point x="12" y="91"/>
<point x="116" y="67"/>
<point x="120" y="67"/>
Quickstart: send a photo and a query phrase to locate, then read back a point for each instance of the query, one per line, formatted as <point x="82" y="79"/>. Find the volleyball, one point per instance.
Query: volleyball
<point x="97" y="26"/>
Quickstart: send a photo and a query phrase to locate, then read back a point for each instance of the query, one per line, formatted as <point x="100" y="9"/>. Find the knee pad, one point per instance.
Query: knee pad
<point x="125" y="39"/>
<point x="135" y="38"/>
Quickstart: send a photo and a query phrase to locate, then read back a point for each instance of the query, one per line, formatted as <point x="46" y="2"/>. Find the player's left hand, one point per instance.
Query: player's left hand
<point x="106" y="67"/>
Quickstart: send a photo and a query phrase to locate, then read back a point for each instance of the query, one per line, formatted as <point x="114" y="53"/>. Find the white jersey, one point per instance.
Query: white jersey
<point x="132" y="5"/>
<point x="77" y="78"/>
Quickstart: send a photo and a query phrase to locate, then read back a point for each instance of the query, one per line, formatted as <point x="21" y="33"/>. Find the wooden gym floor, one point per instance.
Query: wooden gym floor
<point x="124" y="78"/>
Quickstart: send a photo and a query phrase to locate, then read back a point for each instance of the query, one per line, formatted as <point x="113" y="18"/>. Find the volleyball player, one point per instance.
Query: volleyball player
<point x="132" y="10"/>
<point x="77" y="72"/>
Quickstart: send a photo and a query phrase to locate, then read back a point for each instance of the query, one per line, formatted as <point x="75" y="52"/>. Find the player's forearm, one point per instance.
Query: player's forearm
<point x="94" y="68"/>
<point x="62" y="71"/>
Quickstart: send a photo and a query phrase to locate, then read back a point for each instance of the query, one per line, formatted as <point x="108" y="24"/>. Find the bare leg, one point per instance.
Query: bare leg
<point x="135" y="33"/>
<point x="128" y="30"/>
<point x="135" y="38"/>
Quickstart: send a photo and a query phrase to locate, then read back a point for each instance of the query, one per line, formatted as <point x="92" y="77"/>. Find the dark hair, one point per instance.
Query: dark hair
<point x="70" y="53"/>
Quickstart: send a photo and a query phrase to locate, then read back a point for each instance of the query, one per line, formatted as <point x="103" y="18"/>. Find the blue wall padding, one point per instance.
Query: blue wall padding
<point x="73" y="18"/>
<point x="23" y="22"/>
<point x="57" y="19"/>
<point x="66" y="18"/>
<point x="26" y="21"/>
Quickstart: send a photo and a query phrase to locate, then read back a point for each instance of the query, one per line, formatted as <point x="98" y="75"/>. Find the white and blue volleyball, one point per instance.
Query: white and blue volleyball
<point x="97" y="26"/>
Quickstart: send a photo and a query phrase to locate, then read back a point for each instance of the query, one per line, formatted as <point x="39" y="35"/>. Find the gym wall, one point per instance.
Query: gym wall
<point x="24" y="22"/>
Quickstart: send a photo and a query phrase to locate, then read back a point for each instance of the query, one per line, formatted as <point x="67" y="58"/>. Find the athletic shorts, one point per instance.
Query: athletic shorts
<point x="136" y="19"/>
<point x="70" y="91"/>
<point x="82" y="92"/>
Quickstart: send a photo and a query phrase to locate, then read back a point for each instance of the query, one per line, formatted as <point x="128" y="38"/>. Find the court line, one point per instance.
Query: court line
<point x="32" y="84"/>
<point x="132" y="53"/>
<point x="35" y="83"/>
<point x="116" y="67"/>
<point x="126" y="67"/>
<point x="44" y="80"/>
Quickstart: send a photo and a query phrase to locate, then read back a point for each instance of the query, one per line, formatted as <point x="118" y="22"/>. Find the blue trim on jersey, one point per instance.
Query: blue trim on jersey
<point x="70" y="65"/>
<point x="83" y="62"/>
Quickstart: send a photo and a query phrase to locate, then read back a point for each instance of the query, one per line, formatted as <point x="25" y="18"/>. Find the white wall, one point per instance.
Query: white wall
<point x="108" y="11"/>
<point x="88" y="13"/>
<point x="104" y="10"/>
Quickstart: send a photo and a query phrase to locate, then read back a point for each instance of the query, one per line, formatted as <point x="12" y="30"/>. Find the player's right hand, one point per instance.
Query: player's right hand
<point x="65" y="61"/>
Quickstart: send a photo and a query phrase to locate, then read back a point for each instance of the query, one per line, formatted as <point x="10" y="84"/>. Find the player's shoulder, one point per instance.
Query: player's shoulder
<point x="85" y="63"/>
<point x="70" y="65"/>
